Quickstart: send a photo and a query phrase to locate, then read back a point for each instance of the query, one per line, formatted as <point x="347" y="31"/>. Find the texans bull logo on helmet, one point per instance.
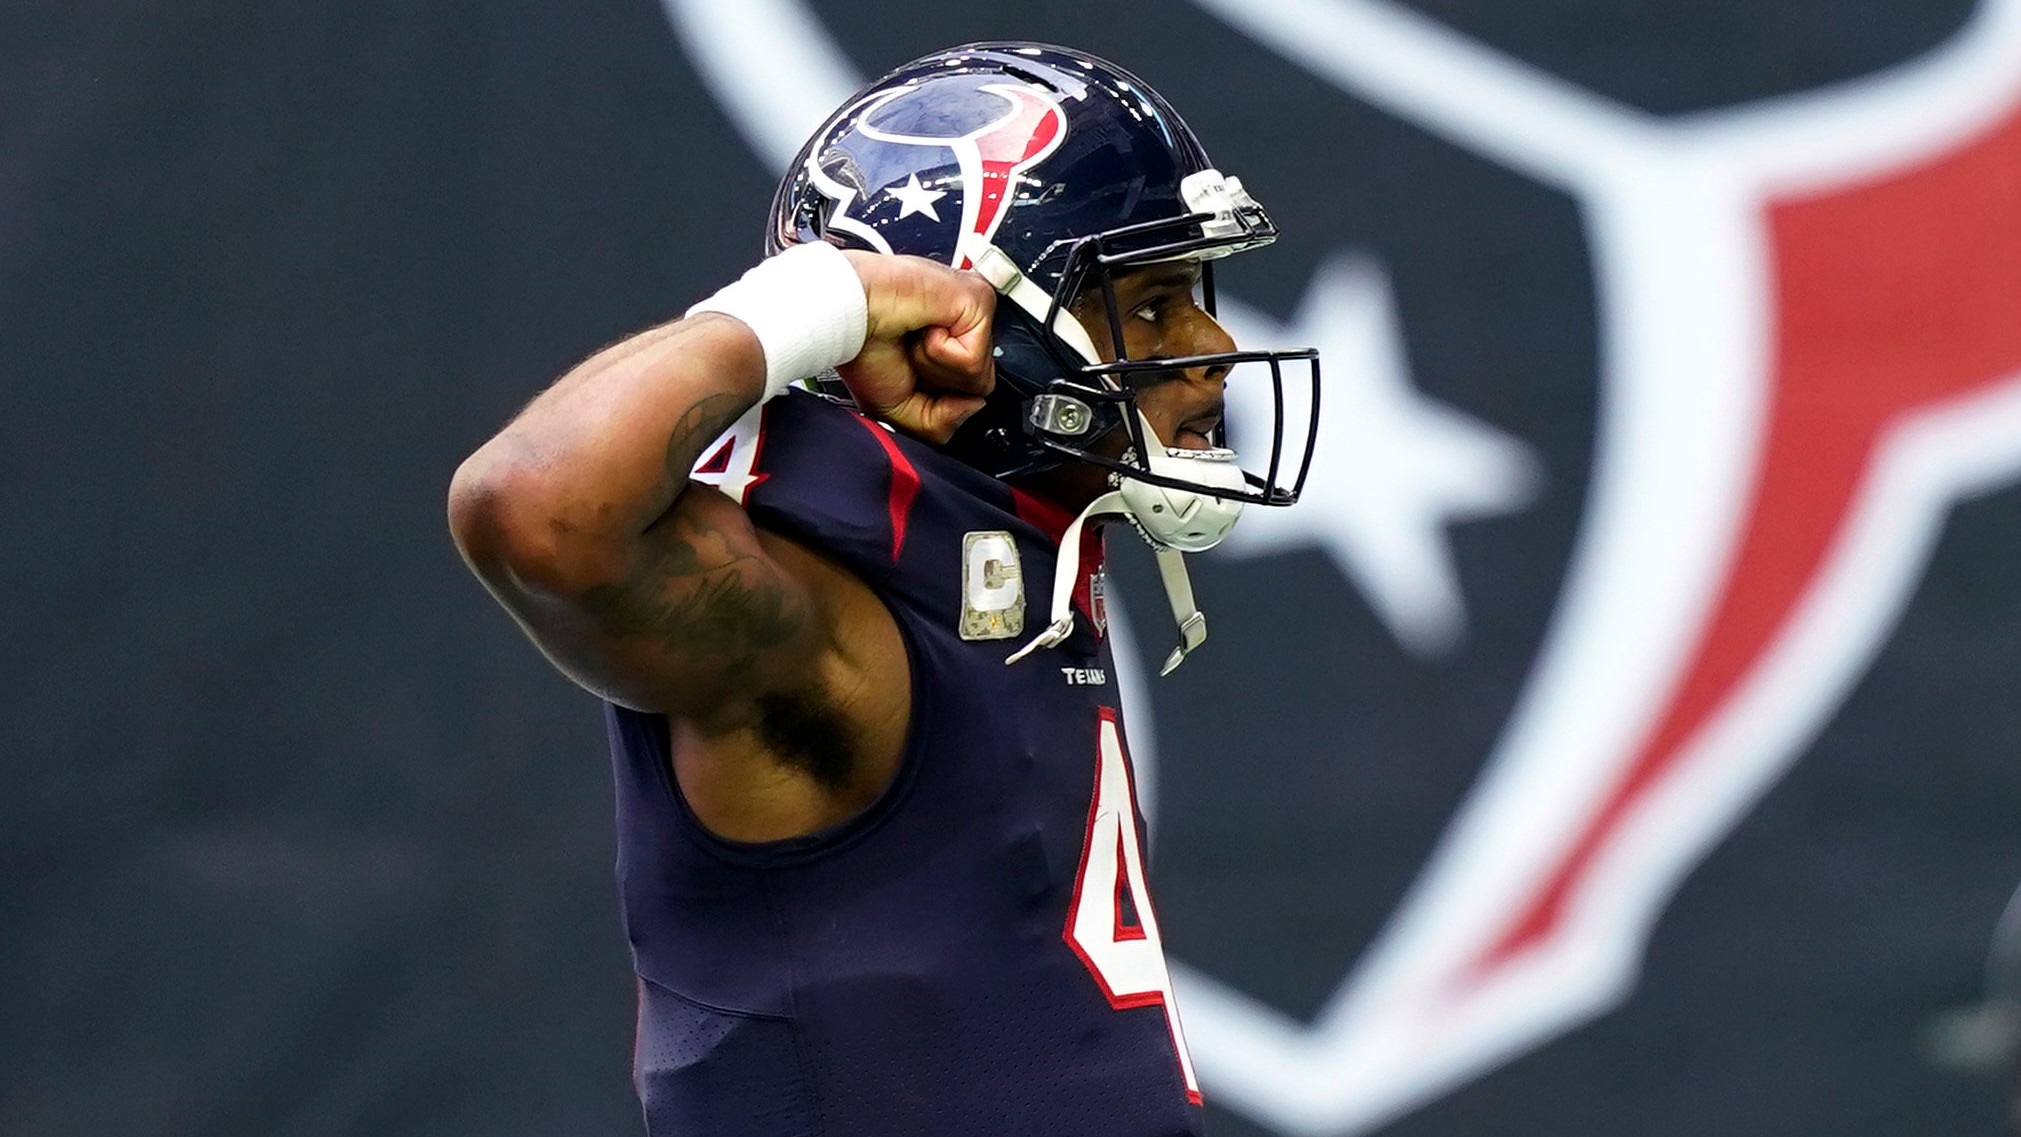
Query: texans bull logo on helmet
<point x="1006" y="129"/>
<point x="1810" y="332"/>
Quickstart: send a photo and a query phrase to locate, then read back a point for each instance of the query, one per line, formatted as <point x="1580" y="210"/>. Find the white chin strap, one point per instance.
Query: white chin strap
<point x="1171" y="567"/>
<point x="1004" y="275"/>
<point x="1172" y="521"/>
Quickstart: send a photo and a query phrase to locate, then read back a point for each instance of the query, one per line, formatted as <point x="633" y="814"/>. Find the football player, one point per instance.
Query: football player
<point x="880" y="859"/>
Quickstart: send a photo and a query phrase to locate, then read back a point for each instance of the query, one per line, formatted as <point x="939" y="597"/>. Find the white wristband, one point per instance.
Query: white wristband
<point x="806" y="307"/>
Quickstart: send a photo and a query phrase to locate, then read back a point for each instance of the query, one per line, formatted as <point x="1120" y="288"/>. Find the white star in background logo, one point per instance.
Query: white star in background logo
<point x="915" y="198"/>
<point x="1392" y="468"/>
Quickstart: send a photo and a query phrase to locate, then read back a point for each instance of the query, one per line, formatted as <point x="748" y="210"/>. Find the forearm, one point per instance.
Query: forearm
<point x="602" y="454"/>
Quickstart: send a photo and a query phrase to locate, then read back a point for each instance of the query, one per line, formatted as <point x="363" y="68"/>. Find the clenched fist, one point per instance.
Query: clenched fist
<point x="925" y="366"/>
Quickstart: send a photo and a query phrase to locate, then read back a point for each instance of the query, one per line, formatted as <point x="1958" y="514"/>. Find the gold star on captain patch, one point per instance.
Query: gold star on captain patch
<point x="915" y="198"/>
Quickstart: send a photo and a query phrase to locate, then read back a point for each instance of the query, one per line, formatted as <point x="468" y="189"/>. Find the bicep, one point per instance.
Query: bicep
<point x="693" y="618"/>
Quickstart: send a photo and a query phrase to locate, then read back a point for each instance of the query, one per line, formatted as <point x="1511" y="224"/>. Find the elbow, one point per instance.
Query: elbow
<point x="505" y="519"/>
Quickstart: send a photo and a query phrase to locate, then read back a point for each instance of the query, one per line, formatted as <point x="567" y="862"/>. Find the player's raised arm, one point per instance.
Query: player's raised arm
<point x="658" y="593"/>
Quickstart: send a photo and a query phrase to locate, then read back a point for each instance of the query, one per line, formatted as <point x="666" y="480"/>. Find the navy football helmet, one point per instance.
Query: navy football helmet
<point x="1049" y="171"/>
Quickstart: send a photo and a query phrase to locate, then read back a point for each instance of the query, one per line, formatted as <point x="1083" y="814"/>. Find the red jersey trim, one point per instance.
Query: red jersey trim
<point x="904" y="484"/>
<point x="1042" y="514"/>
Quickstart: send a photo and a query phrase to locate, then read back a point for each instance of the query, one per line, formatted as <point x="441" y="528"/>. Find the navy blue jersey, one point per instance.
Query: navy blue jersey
<point x="975" y="953"/>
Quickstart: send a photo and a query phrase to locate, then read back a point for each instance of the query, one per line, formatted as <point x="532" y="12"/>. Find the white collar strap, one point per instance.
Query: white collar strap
<point x="1067" y="574"/>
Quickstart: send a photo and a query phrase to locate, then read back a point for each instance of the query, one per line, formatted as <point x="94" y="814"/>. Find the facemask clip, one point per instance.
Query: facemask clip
<point x="1062" y="415"/>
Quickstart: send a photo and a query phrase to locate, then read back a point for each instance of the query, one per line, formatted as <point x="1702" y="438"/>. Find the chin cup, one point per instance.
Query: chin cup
<point x="1171" y="520"/>
<point x="1186" y="519"/>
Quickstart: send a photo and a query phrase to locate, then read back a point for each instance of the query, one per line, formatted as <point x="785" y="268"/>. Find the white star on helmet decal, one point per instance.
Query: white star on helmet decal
<point x="915" y="198"/>
<point x="1394" y="468"/>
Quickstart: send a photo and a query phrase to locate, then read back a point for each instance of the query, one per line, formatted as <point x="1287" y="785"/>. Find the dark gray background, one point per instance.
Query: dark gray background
<point x="299" y="837"/>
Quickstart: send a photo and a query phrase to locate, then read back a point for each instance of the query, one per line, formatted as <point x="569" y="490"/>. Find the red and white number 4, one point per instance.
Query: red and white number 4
<point x="1126" y="958"/>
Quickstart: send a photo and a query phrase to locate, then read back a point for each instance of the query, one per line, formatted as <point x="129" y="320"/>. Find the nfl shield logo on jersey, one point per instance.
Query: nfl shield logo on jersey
<point x="1098" y="600"/>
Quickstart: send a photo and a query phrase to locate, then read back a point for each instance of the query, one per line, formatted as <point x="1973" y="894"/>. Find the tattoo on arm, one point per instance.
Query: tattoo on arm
<point x="702" y="424"/>
<point x="701" y="600"/>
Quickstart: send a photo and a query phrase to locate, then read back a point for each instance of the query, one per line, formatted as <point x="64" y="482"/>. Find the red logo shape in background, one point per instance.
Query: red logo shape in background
<point x="1892" y="296"/>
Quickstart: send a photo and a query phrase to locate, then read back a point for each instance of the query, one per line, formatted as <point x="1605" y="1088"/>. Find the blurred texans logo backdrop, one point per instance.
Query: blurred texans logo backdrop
<point x="1760" y="354"/>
